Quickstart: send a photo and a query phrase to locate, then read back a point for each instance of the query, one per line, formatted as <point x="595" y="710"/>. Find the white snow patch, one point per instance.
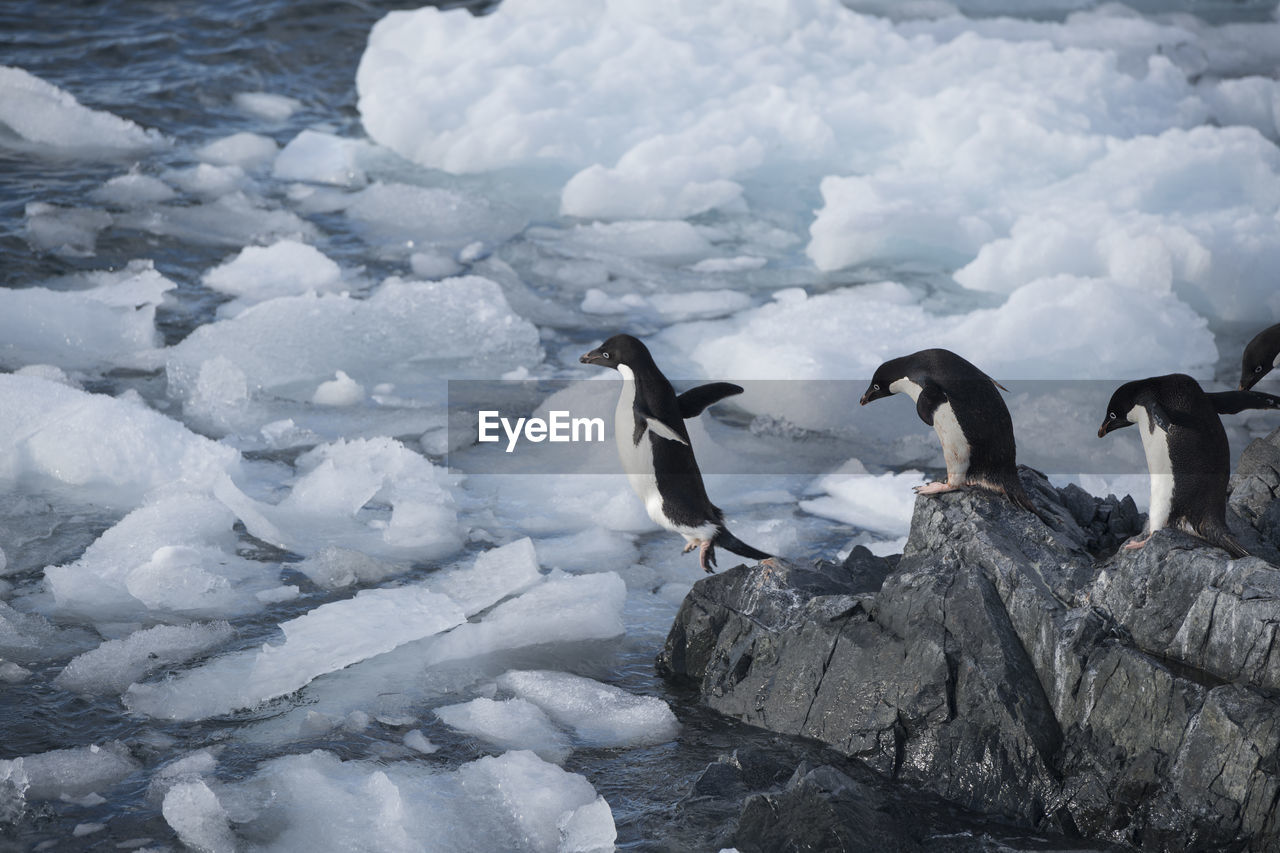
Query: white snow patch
<point x="882" y="504"/>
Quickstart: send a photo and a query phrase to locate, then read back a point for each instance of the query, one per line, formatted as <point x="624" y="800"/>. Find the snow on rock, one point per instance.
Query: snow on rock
<point x="85" y="321"/>
<point x="175" y="555"/>
<point x="321" y="158"/>
<point x="599" y="714"/>
<point x="882" y="504"/>
<point x="515" y="802"/>
<point x="285" y="268"/>
<point x="246" y="150"/>
<point x="45" y="116"/>
<point x="193" y="811"/>
<point x="508" y="724"/>
<point x="70" y="772"/>
<point x="325" y="639"/>
<point x="114" y="665"/>
<point x="327" y="504"/>
<point x="108" y="450"/>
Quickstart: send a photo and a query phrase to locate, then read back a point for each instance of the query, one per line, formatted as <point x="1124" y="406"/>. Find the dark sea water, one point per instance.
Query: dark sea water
<point x="173" y="66"/>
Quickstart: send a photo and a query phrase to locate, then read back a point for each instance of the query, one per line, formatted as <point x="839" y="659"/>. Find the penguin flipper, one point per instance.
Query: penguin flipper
<point x="661" y="430"/>
<point x="931" y="397"/>
<point x="1159" y="417"/>
<point x="694" y="401"/>
<point x="1233" y="402"/>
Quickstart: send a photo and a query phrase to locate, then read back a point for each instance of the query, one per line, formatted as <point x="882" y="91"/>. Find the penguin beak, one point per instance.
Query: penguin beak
<point x="592" y="357"/>
<point x="1110" y="425"/>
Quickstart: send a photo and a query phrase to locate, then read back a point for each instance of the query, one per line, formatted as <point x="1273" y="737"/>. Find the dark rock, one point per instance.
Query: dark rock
<point x="1002" y="666"/>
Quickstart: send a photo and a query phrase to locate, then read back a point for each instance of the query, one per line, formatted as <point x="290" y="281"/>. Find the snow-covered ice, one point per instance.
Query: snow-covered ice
<point x="508" y="724"/>
<point x="599" y="714"/>
<point x="44" y="116"/>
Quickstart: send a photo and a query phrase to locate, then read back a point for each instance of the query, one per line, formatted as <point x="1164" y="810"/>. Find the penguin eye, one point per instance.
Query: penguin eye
<point x="604" y="355"/>
<point x="1258" y="369"/>
<point x="875" y="387"/>
<point x="1111" y="415"/>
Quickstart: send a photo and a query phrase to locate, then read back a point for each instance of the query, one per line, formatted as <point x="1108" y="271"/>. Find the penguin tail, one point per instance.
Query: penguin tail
<point x="1012" y="487"/>
<point x="1216" y="533"/>
<point x="729" y="542"/>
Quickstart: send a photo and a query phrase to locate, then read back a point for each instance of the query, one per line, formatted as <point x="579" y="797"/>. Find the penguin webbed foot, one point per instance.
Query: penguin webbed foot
<point x="689" y="546"/>
<point x="707" y="557"/>
<point x="1135" y="544"/>
<point x="935" y="488"/>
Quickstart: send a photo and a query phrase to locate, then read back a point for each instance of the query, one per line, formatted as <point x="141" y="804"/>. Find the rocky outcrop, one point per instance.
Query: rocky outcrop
<point x="1026" y="670"/>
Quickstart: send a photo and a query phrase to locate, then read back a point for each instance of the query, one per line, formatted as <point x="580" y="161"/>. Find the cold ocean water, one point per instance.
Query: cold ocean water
<point x="246" y="603"/>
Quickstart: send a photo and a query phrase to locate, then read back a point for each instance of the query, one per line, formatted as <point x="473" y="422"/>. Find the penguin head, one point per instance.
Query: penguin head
<point x="619" y="349"/>
<point x="885" y="375"/>
<point x="1122" y="403"/>
<point x="1259" y="357"/>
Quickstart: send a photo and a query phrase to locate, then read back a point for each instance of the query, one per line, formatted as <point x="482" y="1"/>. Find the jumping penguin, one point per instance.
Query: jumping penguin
<point x="1260" y="356"/>
<point x="1186" y="449"/>
<point x="655" y="451"/>
<point x="965" y="409"/>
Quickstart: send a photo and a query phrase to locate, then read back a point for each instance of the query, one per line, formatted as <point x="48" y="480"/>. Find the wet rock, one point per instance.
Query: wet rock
<point x="1020" y="669"/>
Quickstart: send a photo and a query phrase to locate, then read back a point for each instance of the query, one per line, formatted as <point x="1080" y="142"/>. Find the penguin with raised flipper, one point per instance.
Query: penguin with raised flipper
<point x="1186" y="449"/>
<point x="1260" y="356"/>
<point x="653" y="444"/>
<point x="965" y="409"/>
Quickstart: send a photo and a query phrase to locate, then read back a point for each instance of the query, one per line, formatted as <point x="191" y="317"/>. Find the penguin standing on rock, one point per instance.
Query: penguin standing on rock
<point x="1186" y="449"/>
<point x="1260" y="356"/>
<point x="655" y="451"/>
<point x="964" y="407"/>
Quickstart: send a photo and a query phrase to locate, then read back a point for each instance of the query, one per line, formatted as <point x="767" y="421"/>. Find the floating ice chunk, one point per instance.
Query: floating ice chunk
<point x="590" y="550"/>
<point x="70" y="772"/>
<point x="670" y="242"/>
<point x="174" y="555"/>
<point x="27" y="636"/>
<point x="194" y="813"/>
<point x="512" y="802"/>
<point x="133" y="190"/>
<point x="48" y="117"/>
<point x="326" y="504"/>
<point x="207" y="181"/>
<point x="68" y="231"/>
<point x="563" y="608"/>
<point x="432" y="265"/>
<point x="508" y="724"/>
<point x="114" y="665"/>
<point x="599" y="714"/>
<point x="265" y="105"/>
<point x="463" y="326"/>
<point x="11" y="673"/>
<point x="669" y="307"/>
<point x="418" y="742"/>
<point x="882" y="504"/>
<point x="111" y="323"/>
<point x="246" y="150"/>
<point x="333" y="567"/>
<point x="431" y="216"/>
<point x="741" y="263"/>
<point x="342" y="390"/>
<point x="588" y="829"/>
<point x="235" y="219"/>
<point x="285" y="268"/>
<point x="325" y="639"/>
<point x="109" y="450"/>
<point x="321" y="158"/>
<point x="495" y="574"/>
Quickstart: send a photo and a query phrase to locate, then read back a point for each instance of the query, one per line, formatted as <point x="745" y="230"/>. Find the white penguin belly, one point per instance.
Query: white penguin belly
<point x="637" y="462"/>
<point x="955" y="447"/>
<point x="1155" y="444"/>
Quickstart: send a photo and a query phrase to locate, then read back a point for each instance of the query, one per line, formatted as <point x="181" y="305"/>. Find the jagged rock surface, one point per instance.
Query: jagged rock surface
<point x="1023" y="670"/>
